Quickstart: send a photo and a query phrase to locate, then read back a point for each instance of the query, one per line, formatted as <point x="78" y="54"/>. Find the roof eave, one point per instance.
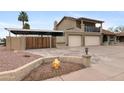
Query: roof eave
<point x="91" y="20"/>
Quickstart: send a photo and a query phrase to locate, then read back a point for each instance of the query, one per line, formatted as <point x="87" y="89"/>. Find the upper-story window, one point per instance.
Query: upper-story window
<point x="91" y="29"/>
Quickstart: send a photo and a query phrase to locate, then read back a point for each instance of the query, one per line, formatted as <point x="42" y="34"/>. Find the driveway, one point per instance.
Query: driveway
<point x="107" y="62"/>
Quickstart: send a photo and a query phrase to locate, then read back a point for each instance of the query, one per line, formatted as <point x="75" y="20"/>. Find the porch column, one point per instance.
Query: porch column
<point x="108" y="40"/>
<point x="118" y="41"/>
<point x="101" y="28"/>
<point x="101" y="37"/>
<point x="82" y="26"/>
<point x="10" y="40"/>
<point x="115" y="39"/>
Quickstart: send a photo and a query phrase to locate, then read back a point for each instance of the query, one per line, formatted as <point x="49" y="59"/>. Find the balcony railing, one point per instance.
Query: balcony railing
<point x="91" y="29"/>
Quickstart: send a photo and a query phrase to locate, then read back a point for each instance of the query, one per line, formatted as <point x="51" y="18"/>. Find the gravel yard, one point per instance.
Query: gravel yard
<point x="45" y="71"/>
<point x="10" y="60"/>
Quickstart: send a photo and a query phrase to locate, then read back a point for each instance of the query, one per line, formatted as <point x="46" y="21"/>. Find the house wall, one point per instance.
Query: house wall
<point x="88" y="23"/>
<point x="15" y="43"/>
<point x="60" y="41"/>
<point x="92" y="34"/>
<point x="121" y="38"/>
<point x="64" y="41"/>
<point x="66" y="24"/>
<point x="78" y="24"/>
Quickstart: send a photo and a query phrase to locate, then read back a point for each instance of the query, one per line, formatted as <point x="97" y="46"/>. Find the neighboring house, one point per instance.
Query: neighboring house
<point x="109" y="37"/>
<point x="120" y="36"/>
<point x="79" y="31"/>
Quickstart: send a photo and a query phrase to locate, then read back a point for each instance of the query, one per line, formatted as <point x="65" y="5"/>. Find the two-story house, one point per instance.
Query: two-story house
<point x="79" y="31"/>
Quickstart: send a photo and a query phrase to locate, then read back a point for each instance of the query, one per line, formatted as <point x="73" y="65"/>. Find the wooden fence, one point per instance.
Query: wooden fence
<point x="40" y="42"/>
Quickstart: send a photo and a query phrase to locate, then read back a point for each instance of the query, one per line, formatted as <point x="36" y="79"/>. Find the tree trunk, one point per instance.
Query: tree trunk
<point x="23" y="24"/>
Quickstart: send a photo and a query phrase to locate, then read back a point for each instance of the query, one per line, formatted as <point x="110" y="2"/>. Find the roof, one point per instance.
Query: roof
<point x="119" y="34"/>
<point x="107" y="32"/>
<point x="89" y="19"/>
<point x="19" y="31"/>
<point x="81" y="18"/>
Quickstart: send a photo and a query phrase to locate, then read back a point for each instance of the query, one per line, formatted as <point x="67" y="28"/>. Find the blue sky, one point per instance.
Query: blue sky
<point x="44" y="20"/>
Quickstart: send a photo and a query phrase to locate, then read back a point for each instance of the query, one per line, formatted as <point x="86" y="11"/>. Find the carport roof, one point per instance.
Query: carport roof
<point x="18" y="31"/>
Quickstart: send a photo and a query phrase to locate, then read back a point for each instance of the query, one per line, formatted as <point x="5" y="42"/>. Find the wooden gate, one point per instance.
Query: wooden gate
<point x="40" y="42"/>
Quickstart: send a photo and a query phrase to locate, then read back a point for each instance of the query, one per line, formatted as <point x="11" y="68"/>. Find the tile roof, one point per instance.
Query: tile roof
<point x="119" y="33"/>
<point x="107" y="32"/>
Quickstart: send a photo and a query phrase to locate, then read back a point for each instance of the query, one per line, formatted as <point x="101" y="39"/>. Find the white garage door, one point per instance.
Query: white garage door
<point x="92" y="40"/>
<point x="74" y="41"/>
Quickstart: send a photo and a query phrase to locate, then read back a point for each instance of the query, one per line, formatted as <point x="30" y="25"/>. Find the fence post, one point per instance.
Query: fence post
<point x="50" y="41"/>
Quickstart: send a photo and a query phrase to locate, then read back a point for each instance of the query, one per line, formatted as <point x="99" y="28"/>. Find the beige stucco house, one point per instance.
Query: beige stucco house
<point x="79" y="31"/>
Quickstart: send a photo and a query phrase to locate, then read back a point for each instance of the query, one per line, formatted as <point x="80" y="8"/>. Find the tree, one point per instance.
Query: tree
<point x="26" y="26"/>
<point x="111" y="28"/>
<point x="120" y="28"/>
<point x="116" y="29"/>
<point x="23" y="17"/>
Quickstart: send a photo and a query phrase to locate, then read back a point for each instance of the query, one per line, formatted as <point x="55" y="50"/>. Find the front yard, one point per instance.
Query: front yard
<point x="107" y="62"/>
<point x="10" y="60"/>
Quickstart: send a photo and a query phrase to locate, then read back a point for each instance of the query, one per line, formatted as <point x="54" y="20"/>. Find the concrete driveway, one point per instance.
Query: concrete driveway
<point x="107" y="62"/>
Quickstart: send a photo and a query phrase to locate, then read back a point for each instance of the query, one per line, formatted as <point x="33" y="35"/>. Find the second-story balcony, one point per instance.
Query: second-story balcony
<point x="91" y="29"/>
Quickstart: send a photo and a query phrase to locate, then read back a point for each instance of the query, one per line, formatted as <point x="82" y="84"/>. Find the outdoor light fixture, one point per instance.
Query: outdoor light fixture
<point x="86" y="51"/>
<point x="56" y="64"/>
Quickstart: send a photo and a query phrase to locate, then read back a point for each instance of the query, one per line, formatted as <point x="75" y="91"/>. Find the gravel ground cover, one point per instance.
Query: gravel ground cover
<point x="45" y="71"/>
<point x="10" y="60"/>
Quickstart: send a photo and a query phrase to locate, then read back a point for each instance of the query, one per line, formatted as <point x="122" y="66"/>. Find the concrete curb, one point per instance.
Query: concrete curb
<point x="21" y="72"/>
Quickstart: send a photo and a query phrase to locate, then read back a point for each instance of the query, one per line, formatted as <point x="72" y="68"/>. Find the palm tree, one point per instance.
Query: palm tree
<point x="26" y="26"/>
<point x="23" y="17"/>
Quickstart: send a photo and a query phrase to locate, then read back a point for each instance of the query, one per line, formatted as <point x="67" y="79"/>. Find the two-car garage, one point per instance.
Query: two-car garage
<point x="77" y="40"/>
